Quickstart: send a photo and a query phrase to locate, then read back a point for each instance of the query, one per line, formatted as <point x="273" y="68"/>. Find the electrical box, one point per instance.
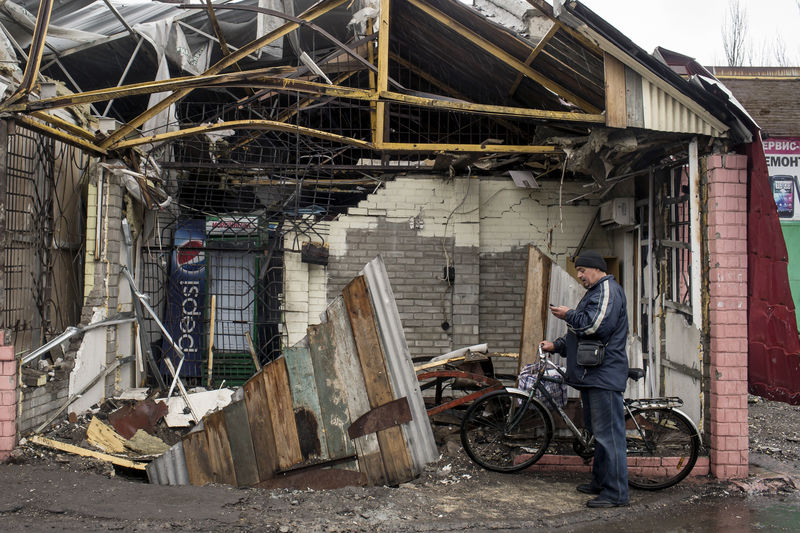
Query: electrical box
<point x="617" y="213"/>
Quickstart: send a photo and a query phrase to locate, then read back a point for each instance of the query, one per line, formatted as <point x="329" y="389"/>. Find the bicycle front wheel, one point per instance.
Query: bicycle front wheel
<point x="662" y="448"/>
<point x="497" y="436"/>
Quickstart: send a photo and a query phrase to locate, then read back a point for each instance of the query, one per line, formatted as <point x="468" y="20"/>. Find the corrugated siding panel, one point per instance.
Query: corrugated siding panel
<point x="664" y="113"/>
<point x="169" y="468"/>
<point x="773" y="345"/>
<point x="418" y="432"/>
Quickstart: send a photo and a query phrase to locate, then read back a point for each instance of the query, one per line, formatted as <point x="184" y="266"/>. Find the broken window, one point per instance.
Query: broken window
<point x="677" y="243"/>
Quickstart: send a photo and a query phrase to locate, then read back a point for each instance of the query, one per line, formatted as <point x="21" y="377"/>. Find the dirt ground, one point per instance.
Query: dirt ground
<point x="45" y="490"/>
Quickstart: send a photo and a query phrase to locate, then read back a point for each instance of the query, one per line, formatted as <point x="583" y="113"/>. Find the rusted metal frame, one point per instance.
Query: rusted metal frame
<point x="504" y="56"/>
<point x="478" y="148"/>
<point x="491" y="109"/>
<point x="35" y="55"/>
<point x="248" y="78"/>
<point x="244" y="124"/>
<point x="312" y="13"/>
<point x="535" y="52"/>
<point x="446" y="88"/>
<point x="491" y="384"/>
<point x="381" y="110"/>
<point x="120" y="18"/>
<point x="289" y="113"/>
<point x="125" y="72"/>
<point x="212" y="17"/>
<point x="61" y="136"/>
<point x="372" y="77"/>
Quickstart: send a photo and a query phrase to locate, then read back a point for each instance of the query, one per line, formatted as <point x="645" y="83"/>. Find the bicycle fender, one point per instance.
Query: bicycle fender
<point x="687" y="417"/>
<point x="541" y="403"/>
<point x="694" y="426"/>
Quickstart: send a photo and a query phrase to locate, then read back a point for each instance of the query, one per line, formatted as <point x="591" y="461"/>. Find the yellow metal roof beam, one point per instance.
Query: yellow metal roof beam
<point x="34" y="55"/>
<point x="315" y="11"/>
<point x="62" y="136"/>
<point x="270" y="125"/>
<point x="505" y="57"/>
<point x="468" y="107"/>
<point x="488" y="148"/>
<point x="246" y="79"/>
<point x="535" y="52"/>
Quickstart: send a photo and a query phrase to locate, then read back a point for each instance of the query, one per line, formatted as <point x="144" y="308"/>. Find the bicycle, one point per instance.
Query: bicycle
<point x="510" y="430"/>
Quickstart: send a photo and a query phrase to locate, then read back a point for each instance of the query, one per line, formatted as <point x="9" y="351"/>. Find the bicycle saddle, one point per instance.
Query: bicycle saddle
<point x="636" y="373"/>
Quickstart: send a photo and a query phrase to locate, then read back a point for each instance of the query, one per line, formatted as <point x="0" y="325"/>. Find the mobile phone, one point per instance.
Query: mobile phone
<point x="553" y="305"/>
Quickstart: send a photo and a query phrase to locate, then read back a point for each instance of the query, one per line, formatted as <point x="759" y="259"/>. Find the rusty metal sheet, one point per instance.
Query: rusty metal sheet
<point x="305" y="402"/>
<point x="384" y="416"/>
<point x="195" y="448"/>
<point x="142" y="415"/>
<point x="773" y="344"/>
<point x="261" y="430"/>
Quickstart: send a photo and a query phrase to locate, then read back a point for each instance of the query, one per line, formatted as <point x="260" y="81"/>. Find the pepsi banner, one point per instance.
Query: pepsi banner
<point x="186" y="290"/>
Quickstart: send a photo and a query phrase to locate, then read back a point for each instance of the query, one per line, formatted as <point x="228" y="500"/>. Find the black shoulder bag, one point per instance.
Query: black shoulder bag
<point x="590" y="352"/>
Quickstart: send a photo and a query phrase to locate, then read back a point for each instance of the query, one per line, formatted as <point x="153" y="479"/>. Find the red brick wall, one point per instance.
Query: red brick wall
<point x="727" y="248"/>
<point x="8" y="399"/>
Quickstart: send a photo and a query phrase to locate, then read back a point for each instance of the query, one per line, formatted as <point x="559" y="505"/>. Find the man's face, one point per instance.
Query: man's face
<point x="588" y="276"/>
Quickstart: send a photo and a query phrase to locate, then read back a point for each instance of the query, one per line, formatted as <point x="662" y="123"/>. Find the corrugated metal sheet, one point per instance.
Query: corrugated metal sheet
<point x="773" y="344"/>
<point x="169" y="468"/>
<point x="418" y="432"/>
<point x="664" y="113"/>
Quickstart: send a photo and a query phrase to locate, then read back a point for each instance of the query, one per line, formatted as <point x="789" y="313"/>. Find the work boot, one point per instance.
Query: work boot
<point x="588" y="488"/>
<point x="599" y="503"/>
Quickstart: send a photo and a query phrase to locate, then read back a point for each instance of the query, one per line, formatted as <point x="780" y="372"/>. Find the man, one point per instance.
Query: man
<point x="600" y="315"/>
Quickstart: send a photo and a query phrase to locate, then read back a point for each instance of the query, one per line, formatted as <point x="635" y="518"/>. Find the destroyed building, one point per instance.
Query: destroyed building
<point x="218" y="173"/>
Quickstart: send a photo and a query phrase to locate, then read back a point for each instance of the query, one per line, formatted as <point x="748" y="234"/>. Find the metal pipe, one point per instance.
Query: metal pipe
<point x="650" y="282"/>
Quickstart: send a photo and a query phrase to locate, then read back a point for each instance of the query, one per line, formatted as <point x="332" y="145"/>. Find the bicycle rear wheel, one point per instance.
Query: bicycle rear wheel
<point x="662" y="448"/>
<point x="489" y="440"/>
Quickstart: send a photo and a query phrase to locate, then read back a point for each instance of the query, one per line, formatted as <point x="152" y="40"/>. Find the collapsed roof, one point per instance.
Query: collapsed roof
<point x="269" y="90"/>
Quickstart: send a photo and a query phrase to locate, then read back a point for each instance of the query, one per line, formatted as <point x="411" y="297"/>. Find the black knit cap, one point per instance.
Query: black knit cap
<point x="591" y="259"/>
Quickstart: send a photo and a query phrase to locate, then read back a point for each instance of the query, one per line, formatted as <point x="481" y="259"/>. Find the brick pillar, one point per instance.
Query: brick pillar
<point x="8" y="399"/>
<point x="727" y="279"/>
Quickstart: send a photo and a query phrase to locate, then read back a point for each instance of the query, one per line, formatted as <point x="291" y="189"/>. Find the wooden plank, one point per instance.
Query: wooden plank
<point x="616" y="116"/>
<point x="634" y="103"/>
<point x="349" y="368"/>
<point x="219" y="449"/>
<point x="331" y="391"/>
<point x="195" y="449"/>
<point x="287" y="442"/>
<point x="261" y="432"/>
<point x="535" y="305"/>
<point x="63" y="446"/>
<point x="305" y="403"/>
<point x="395" y="454"/>
<point x="243" y="454"/>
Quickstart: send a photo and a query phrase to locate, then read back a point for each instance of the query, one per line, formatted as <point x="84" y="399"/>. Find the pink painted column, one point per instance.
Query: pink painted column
<point x="727" y="249"/>
<point x="8" y="399"/>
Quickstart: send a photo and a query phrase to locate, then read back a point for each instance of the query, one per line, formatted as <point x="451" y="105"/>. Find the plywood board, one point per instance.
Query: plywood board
<point x="396" y="458"/>
<point x="616" y="116"/>
<point x="287" y="442"/>
<point x="195" y="448"/>
<point x="305" y="403"/>
<point x="261" y="432"/>
<point x="535" y="305"/>
<point x="241" y="443"/>
<point x="219" y="449"/>
<point x="349" y="368"/>
<point x="331" y="391"/>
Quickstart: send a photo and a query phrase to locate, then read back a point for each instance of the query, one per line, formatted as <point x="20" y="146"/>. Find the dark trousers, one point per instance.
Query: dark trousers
<point x="604" y="416"/>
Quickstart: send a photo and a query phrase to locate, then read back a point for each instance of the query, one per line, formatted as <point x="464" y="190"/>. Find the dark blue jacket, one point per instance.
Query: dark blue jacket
<point x="602" y="315"/>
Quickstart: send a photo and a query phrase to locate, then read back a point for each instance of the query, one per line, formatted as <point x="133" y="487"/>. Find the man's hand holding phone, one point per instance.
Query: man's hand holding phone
<point x="559" y="311"/>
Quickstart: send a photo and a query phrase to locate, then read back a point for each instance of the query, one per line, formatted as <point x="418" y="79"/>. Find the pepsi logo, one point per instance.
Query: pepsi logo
<point x="189" y="255"/>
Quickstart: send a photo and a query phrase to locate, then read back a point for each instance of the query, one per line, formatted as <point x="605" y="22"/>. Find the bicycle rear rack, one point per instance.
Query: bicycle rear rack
<point x="652" y="403"/>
